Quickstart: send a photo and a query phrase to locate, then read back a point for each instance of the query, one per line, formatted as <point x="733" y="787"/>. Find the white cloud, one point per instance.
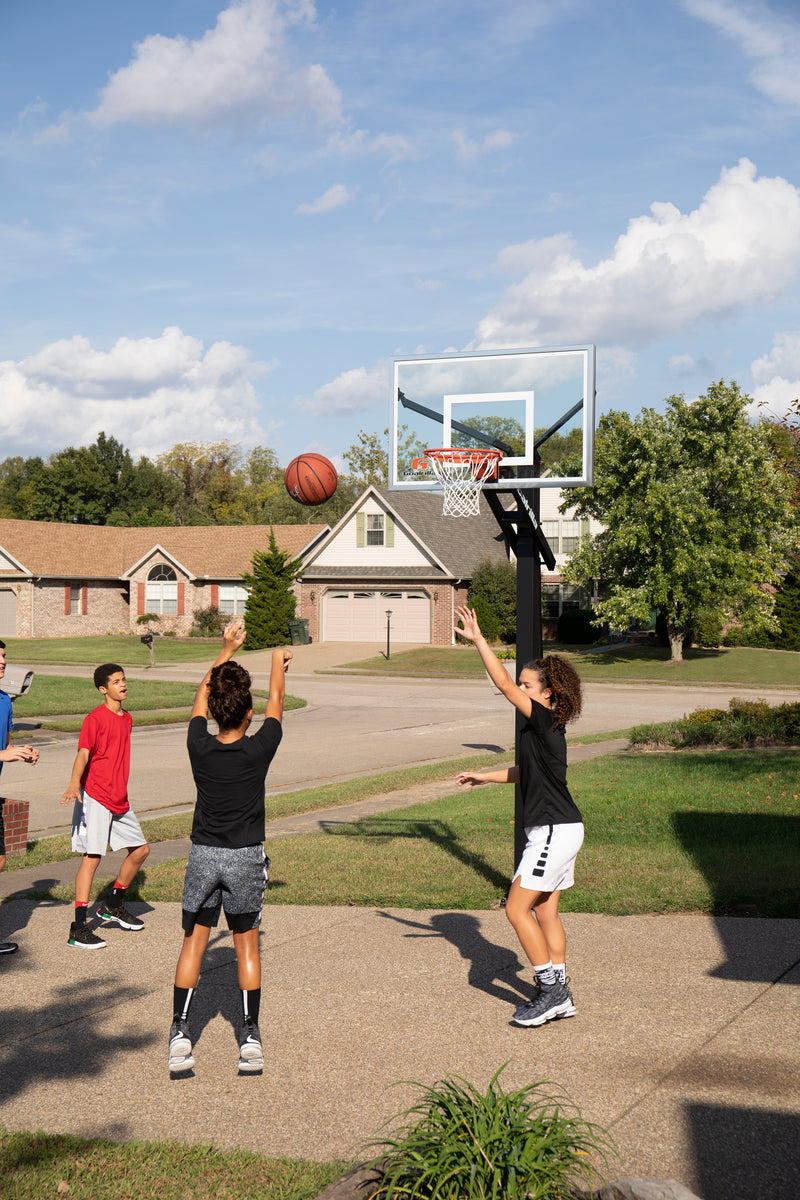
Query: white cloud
<point x="335" y="197"/>
<point x="668" y="271"/>
<point x="772" y="42"/>
<point x="468" y="149"/>
<point x="777" y="377"/>
<point x="148" y="392"/>
<point x="351" y="392"/>
<point x="238" y="72"/>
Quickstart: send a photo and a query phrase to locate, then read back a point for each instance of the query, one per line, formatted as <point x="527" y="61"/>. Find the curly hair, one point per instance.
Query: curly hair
<point x="229" y="698"/>
<point x="560" y="676"/>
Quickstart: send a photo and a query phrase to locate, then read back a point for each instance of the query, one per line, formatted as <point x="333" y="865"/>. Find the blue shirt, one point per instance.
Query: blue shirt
<point x="6" y="721"/>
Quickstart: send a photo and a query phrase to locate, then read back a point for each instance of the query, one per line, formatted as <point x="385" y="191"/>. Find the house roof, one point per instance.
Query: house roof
<point x="106" y="552"/>
<point x="460" y="543"/>
<point x="455" y="545"/>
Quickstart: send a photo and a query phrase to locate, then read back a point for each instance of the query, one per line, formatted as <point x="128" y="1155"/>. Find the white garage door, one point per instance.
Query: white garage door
<point x="8" y="613"/>
<point x="360" y="616"/>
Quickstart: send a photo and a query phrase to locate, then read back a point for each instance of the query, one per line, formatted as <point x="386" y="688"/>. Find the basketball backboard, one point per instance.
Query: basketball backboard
<point x="530" y="404"/>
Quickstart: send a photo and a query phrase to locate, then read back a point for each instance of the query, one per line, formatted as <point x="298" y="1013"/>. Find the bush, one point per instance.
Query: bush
<point x="495" y="585"/>
<point x="523" y="1145"/>
<point x="789" y="717"/>
<point x="208" y="622"/>
<point x="787" y="611"/>
<point x="487" y="618"/>
<point x="754" y="636"/>
<point x="146" y="618"/>
<point x="575" y="627"/>
<point x="707" y="629"/>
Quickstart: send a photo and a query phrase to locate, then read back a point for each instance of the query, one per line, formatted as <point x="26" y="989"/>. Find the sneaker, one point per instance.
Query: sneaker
<point x="120" y="914"/>
<point x="180" y="1047"/>
<point x="82" y="937"/>
<point x="554" y="1000"/>
<point x="537" y="991"/>
<point x="251" y="1054"/>
<point x="8" y="947"/>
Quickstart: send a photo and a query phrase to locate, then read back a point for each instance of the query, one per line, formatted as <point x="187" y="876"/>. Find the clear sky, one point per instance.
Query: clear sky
<point x="222" y="222"/>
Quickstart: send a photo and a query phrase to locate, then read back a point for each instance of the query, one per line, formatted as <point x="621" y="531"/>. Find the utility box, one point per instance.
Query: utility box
<point x="299" y="632"/>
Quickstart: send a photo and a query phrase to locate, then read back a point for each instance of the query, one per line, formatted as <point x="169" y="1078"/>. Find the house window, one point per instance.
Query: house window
<point x="550" y="599"/>
<point x="232" y="599"/>
<point x="374" y="529"/>
<point x="550" y="531"/>
<point x="570" y="536"/>
<point x="74" y="601"/>
<point x="558" y="596"/>
<point x="161" y="591"/>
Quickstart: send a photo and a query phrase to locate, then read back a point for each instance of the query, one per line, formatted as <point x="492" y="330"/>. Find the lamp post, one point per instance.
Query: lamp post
<point x="388" y="631"/>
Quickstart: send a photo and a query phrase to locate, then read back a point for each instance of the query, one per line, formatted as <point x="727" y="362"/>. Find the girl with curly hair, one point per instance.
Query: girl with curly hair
<point x="548" y="696"/>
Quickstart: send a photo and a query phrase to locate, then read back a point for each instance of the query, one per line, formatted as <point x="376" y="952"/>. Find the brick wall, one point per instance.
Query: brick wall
<point x="105" y="601"/>
<point x="15" y="819"/>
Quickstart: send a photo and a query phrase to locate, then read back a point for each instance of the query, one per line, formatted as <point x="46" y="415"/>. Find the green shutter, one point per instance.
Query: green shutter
<point x="361" y="523"/>
<point x="388" y="531"/>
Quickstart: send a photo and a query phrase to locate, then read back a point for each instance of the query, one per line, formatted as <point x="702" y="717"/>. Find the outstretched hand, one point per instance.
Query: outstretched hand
<point x="470" y="628"/>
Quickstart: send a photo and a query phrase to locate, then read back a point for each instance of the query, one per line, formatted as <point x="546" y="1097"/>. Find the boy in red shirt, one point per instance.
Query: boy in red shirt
<point x="102" y="816"/>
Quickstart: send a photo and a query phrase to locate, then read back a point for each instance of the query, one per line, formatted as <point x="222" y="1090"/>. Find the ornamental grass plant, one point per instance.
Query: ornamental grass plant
<point x="459" y="1144"/>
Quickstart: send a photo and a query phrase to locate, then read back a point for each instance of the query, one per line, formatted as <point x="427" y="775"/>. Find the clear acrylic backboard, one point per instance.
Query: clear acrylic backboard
<point x="527" y="403"/>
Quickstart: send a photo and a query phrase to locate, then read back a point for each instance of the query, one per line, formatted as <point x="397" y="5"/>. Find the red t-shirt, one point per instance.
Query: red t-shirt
<point x="107" y="737"/>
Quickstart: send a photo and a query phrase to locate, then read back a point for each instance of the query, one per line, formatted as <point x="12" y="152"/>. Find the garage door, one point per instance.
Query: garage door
<point x="360" y="616"/>
<point x="8" y="613"/>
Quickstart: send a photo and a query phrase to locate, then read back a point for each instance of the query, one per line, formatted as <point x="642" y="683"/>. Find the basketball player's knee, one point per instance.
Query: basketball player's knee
<point x="140" y="853"/>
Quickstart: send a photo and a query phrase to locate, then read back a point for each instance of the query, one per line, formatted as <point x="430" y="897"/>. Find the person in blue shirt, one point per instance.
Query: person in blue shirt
<point x="28" y="754"/>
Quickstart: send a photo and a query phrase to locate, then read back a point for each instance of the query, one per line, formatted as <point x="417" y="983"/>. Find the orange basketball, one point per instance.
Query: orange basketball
<point x="310" y="479"/>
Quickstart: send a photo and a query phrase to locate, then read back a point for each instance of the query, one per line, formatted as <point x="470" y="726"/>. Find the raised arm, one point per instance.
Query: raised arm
<point x="499" y="676"/>
<point x="277" y="682"/>
<point x="232" y="640"/>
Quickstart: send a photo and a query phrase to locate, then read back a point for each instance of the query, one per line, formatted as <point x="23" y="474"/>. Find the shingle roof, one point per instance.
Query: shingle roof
<point x="106" y="552"/>
<point x="461" y="543"/>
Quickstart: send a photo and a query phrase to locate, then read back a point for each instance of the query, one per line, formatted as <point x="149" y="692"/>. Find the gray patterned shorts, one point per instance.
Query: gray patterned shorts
<point x="218" y="877"/>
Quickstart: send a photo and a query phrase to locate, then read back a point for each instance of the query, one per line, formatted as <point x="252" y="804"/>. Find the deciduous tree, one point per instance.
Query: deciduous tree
<point x="697" y="515"/>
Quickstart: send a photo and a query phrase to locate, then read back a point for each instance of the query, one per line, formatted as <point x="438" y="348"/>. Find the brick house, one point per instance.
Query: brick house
<point x="392" y="551"/>
<point x="75" y="580"/>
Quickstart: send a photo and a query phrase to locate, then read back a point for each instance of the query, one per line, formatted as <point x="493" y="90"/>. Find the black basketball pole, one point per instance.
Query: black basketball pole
<point x="529" y="633"/>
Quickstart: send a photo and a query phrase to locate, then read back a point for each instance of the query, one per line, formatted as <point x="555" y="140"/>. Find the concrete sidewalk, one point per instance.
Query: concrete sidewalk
<point x="684" y="1046"/>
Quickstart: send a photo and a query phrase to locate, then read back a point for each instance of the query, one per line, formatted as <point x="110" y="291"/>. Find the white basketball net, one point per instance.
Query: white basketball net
<point x="461" y="474"/>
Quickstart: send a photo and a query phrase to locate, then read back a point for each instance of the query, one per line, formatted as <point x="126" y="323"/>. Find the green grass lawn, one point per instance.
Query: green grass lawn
<point x="628" y="664"/>
<point x="125" y="649"/>
<point x="33" y="1165"/>
<point x="713" y="831"/>
<point x="54" y="695"/>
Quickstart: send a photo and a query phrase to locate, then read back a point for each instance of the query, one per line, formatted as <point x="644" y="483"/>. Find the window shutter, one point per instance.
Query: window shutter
<point x="584" y="530"/>
<point x="84" y="600"/>
<point x="215" y="595"/>
<point x="181" y="591"/>
<point x="388" y="539"/>
<point x="139" y="599"/>
<point x="66" y="600"/>
<point x="361" y="527"/>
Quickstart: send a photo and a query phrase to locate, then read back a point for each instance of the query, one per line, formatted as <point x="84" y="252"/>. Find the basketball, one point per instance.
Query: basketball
<point x="310" y="479"/>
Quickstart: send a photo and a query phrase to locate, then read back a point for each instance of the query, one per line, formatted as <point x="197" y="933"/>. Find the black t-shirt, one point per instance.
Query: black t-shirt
<point x="543" y="772"/>
<point x="230" y="784"/>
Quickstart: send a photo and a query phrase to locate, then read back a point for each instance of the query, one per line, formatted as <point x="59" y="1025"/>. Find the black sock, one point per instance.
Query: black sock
<point x="251" y="1004"/>
<point x="118" y="893"/>
<point x="181" y="999"/>
<point x="80" y="913"/>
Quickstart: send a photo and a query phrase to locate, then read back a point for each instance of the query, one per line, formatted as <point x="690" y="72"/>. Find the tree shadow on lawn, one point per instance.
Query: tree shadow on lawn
<point x="751" y="861"/>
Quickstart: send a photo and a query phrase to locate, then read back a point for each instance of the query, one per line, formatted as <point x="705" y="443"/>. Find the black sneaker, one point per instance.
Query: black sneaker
<point x="82" y="937"/>
<point x="120" y="914"/>
<point x="180" y="1047"/>
<point x="8" y="947"/>
<point x="554" y="1000"/>
<point x="251" y="1053"/>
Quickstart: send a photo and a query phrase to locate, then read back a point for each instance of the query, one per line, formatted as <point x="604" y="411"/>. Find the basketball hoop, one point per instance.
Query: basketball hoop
<point x="461" y="474"/>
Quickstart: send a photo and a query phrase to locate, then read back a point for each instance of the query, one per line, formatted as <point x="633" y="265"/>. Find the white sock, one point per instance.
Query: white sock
<point x="545" y="974"/>
<point x="561" y="972"/>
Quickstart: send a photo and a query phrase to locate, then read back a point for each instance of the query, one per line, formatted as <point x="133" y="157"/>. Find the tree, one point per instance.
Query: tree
<point x="697" y="515"/>
<point x="493" y="595"/>
<point x="271" y="603"/>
